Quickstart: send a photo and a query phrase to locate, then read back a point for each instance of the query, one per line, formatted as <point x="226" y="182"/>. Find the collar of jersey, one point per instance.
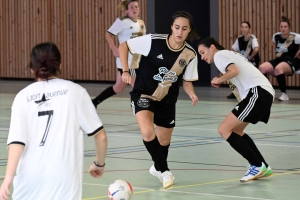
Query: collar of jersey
<point x="167" y="41"/>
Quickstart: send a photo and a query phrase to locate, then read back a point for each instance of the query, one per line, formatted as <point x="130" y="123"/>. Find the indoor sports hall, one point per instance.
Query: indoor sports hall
<point x="204" y="165"/>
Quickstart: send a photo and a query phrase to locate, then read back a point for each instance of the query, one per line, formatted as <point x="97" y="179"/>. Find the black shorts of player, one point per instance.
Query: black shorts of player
<point x="294" y="63"/>
<point x="131" y="71"/>
<point x="255" y="107"/>
<point x="164" y="114"/>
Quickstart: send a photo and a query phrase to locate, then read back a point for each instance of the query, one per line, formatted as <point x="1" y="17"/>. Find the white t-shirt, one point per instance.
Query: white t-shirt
<point x="49" y="119"/>
<point x="127" y="29"/>
<point x="249" y="76"/>
<point x="236" y="46"/>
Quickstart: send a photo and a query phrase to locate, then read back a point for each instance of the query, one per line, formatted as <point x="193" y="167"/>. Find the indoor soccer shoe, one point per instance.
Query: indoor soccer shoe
<point x="254" y="172"/>
<point x="156" y="173"/>
<point x="267" y="173"/>
<point x="168" y="179"/>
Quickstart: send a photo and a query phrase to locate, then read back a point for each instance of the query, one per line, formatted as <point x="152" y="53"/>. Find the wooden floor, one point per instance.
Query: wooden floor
<point x="204" y="165"/>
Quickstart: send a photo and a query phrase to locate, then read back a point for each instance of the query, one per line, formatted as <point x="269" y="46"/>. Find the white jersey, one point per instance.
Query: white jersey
<point x="49" y="119"/>
<point x="126" y="29"/>
<point x="248" y="77"/>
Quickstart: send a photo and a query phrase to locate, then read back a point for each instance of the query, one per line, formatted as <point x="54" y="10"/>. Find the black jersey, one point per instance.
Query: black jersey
<point x="246" y="48"/>
<point x="161" y="67"/>
<point x="288" y="47"/>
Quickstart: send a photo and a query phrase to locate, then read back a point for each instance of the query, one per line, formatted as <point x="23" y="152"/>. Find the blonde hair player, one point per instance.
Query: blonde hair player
<point x="166" y="60"/>
<point x="256" y="95"/>
<point x="127" y="27"/>
<point x="45" y="142"/>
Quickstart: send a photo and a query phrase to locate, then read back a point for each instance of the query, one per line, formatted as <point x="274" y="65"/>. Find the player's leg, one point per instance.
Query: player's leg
<point x="267" y="68"/>
<point x="281" y="70"/>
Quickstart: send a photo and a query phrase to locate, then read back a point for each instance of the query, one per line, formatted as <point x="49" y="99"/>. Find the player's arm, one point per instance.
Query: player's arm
<point x="14" y="153"/>
<point x="254" y="52"/>
<point x="189" y="89"/>
<point x="97" y="168"/>
<point x="123" y="52"/>
<point x="110" y="40"/>
<point x="231" y="71"/>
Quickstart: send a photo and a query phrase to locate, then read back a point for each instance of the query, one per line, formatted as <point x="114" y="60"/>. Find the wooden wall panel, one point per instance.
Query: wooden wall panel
<point x="77" y="27"/>
<point x="264" y="17"/>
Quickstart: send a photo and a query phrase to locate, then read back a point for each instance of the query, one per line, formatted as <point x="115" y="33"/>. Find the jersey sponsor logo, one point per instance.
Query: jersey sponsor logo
<point x="143" y="103"/>
<point x="160" y="56"/>
<point x="172" y="122"/>
<point x="167" y="75"/>
<point x="182" y="62"/>
<point x="237" y="107"/>
<point x="281" y="48"/>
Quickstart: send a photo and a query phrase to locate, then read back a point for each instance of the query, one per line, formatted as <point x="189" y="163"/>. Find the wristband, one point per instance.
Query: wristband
<point x="125" y="71"/>
<point x="98" y="164"/>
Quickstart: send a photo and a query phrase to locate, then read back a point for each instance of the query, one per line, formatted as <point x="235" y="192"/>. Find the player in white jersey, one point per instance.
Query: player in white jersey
<point x="247" y="45"/>
<point x="255" y="94"/>
<point x="45" y="142"/>
<point x="287" y="61"/>
<point x="166" y="60"/>
<point x="127" y="27"/>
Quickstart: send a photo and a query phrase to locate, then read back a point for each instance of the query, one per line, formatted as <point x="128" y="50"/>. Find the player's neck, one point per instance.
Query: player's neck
<point x="247" y="36"/>
<point x="49" y="78"/>
<point x="173" y="44"/>
<point x="284" y="36"/>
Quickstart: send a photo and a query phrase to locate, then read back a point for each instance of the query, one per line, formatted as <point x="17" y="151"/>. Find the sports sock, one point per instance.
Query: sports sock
<point x="281" y="82"/>
<point x="242" y="147"/>
<point x="108" y="92"/>
<point x="156" y="152"/>
<point x="251" y="143"/>
<point x="165" y="150"/>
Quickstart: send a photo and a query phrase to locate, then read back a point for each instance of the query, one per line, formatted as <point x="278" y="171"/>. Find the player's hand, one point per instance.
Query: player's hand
<point x="126" y="77"/>
<point x="116" y="53"/>
<point x="215" y="82"/>
<point x="95" y="171"/>
<point x="297" y="54"/>
<point x="194" y="98"/>
<point x="4" y="190"/>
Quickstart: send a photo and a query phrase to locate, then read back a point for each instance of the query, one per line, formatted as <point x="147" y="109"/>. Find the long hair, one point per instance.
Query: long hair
<point x="45" y="60"/>
<point x="193" y="35"/>
<point x="124" y="4"/>
<point x="207" y="42"/>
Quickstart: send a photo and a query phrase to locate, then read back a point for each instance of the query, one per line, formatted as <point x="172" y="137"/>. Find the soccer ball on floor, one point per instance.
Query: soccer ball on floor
<point x="120" y="190"/>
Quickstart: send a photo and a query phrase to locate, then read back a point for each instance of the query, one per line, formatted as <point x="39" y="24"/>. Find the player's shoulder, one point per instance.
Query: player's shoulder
<point x="124" y="18"/>
<point x="189" y="47"/>
<point x="277" y="34"/>
<point x="294" y="34"/>
<point x="156" y="36"/>
<point x="253" y="36"/>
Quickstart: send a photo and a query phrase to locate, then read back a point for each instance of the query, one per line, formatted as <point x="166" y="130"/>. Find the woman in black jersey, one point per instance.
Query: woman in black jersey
<point x="247" y="45"/>
<point x="165" y="60"/>
<point x="287" y="59"/>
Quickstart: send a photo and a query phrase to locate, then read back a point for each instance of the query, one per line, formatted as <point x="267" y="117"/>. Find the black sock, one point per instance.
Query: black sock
<point x="242" y="147"/>
<point x="108" y="92"/>
<point x="281" y="82"/>
<point x="165" y="150"/>
<point x="251" y="143"/>
<point x="157" y="154"/>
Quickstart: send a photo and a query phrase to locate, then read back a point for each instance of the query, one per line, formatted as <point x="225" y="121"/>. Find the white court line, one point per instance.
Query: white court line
<point x="218" y="195"/>
<point x="4" y="129"/>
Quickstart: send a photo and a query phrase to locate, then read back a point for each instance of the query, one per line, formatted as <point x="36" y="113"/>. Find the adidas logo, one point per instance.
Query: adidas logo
<point x="172" y="122"/>
<point x="237" y="107"/>
<point x="160" y="56"/>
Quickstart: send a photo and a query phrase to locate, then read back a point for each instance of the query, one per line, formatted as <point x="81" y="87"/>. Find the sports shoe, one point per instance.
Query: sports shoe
<point x="283" y="97"/>
<point x="231" y="96"/>
<point x="168" y="179"/>
<point x="267" y="173"/>
<point x="156" y="173"/>
<point x="254" y="172"/>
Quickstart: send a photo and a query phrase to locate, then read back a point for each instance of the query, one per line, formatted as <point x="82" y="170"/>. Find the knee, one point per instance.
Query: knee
<point x="262" y="68"/>
<point x="164" y="142"/>
<point x="223" y="133"/>
<point x="119" y="88"/>
<point x="148" y="136"/>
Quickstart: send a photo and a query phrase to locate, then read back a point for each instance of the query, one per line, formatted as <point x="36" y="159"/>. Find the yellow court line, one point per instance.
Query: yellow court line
<point x="184" y="186"/>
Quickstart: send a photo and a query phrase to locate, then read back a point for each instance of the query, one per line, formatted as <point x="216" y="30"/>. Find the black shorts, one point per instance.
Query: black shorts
<point x="131" y="71"/>
<point x="255" y="107"/>
<point x="294" y="63"/>
<point x="164" y="114"/>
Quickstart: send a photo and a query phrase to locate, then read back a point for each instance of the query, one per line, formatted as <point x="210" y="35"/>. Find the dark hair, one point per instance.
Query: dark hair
<point x="207" y="42"/>
<point x="124" y="4"/>
<point x="246" y="22"/>
<point x="45" y="60"/>
<point x="285" y="19"/>
<point x="193" y="35"/>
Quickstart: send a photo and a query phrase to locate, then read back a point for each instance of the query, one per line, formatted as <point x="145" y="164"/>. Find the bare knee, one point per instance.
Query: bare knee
<point x="119" y="87"/>
<point x="266" y="68"/>
<point x="148" y="135"/>
<point x="223" y="132"/>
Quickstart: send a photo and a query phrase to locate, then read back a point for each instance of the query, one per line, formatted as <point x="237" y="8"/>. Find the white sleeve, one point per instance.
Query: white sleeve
<point x="222" y="61"/>
<point x="297" y="39"/>
<point x="89" y="120"/>
<point x="140" y="45"/>
<point x="116" y="27"/>
<point x="235" y="46"/>
<point x="191" y="71"/>
<point x="273" y="38"/>
<point x="18" y="122"/>
<point x="254" y="42"/>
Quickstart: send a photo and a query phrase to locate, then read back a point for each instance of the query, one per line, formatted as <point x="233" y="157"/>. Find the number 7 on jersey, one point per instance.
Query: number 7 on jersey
<point x="50" y="116"/>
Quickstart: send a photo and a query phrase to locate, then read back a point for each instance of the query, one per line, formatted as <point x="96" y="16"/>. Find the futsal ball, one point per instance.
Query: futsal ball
<point x="120" y="190"/>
